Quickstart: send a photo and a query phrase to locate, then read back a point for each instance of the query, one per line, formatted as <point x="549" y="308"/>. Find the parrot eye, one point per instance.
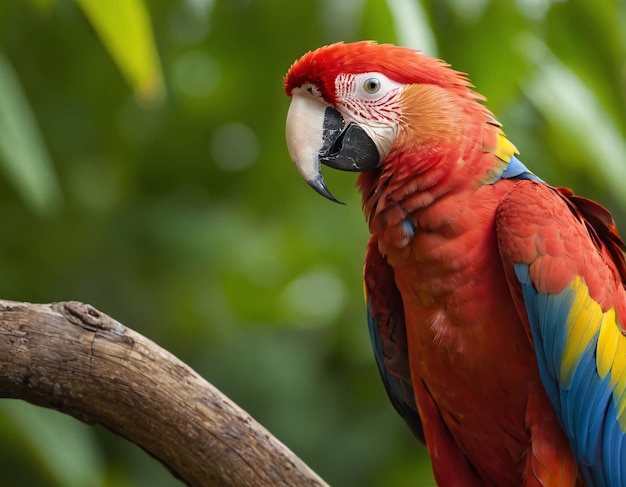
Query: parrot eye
<point x="371" y="85"/>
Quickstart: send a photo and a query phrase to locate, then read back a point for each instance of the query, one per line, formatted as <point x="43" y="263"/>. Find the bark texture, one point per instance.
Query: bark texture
<point x="73" y="358"/>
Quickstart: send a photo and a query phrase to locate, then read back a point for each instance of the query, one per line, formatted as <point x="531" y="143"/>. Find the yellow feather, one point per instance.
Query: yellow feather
<point x="583" y="322"/>
<point x="621" y="415"/>
<point x="620" y="384"/>
<point x="620" y="406"/>
<point x="618" y="369"/>
<point x="586" y="319"/>
<point x="608" y="340"/>
<point x="505" y="149"/>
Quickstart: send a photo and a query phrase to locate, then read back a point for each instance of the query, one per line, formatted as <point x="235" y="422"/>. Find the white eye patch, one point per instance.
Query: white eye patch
<point x="371" y="100"/>
<point x="366" y="86"/>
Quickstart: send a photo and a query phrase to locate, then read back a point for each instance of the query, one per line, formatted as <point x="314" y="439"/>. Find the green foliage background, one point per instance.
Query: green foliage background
<point x="165" y="197"/>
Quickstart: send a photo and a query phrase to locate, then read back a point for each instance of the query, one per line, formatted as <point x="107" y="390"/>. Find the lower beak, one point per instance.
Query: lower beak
<point x="316" y="134"/>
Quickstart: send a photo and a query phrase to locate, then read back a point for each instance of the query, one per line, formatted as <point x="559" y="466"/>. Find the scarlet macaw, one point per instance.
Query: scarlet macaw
<point x="496" y="302"/>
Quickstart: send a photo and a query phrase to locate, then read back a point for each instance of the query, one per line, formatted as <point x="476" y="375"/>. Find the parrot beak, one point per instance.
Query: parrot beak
<point x="316" y="134"/>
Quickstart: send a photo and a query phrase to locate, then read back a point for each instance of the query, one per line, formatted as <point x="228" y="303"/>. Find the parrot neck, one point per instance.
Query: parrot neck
<point x="449" y="146"/>
<point x="424" y="188"/>
<point x="448" y="141"/>
<point x="413" y="180"/>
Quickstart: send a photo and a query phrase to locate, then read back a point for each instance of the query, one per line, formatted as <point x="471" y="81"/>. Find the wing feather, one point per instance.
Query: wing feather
<point x="565" y="265"/>
<point x="385" y="316"/>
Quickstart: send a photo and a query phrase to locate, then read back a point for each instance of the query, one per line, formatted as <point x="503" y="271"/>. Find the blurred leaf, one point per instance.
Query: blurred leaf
<point x="42" y="5"/>
<point x="478" y="38"/>
<point x="569" y="105"/>
<point x="22" y="151"/>
<point x="377" y="22"/>
<point x="597" y="63"/>
<point x="125" y="29"/>
<point x="66" y="446"/>
<point x="412" y="26"/>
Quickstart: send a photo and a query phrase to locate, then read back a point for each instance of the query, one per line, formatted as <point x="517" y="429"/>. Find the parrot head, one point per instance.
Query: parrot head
<point x="356" y="106"/>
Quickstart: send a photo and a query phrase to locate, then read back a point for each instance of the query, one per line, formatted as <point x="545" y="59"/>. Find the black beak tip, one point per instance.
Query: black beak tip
<point x="319" y="185"/>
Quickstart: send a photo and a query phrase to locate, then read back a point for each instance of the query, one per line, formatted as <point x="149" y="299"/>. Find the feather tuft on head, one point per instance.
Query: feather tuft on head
<point x="403" y="65"/>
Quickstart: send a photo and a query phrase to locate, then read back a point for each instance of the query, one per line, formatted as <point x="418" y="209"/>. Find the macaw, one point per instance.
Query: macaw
<point x="496" y="302"/>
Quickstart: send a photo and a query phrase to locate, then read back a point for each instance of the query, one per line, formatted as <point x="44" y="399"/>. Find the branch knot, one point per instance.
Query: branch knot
<point x="83" y="315"/>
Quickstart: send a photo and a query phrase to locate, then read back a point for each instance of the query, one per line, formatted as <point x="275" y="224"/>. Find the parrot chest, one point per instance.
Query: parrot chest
<point x="465" y="340"/>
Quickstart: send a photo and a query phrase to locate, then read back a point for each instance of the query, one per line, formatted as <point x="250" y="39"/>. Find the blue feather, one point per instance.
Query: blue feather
<point x="549" y="341"/>
<point x="548" y="380"/>
<point x="585" y="404"/>
<point x="400" y="393"/>
<point x="516" y="169"/>
<point x="584" y="383"/>
<point x="553" y="308"/>
<point x="611" y="448"/>
<point x="522" y="271"/>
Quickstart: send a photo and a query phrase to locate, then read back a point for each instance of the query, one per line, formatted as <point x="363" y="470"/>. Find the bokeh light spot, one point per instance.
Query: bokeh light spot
<point x="315" y="297"/>
<point x="234" y="146"/>
<point x="196" y="74"/>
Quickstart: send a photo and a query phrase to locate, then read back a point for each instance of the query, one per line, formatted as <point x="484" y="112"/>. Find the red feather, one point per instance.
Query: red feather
<point x="322" y="66"/>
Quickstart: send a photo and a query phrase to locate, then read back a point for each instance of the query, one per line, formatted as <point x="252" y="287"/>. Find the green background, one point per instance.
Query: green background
<point x="184" y="218"/>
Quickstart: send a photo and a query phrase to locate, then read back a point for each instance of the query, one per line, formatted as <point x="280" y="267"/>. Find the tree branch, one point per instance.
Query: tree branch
<point x="71" y="357"/>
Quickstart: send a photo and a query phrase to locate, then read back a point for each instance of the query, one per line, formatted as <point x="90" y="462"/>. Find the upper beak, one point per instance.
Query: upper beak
<point x="316" y="133"/>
